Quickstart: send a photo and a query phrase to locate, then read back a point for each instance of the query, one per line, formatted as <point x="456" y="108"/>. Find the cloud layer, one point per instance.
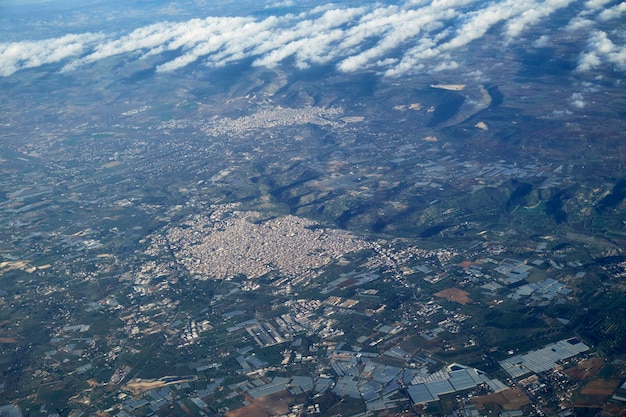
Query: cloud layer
<point x="417" y="35"/>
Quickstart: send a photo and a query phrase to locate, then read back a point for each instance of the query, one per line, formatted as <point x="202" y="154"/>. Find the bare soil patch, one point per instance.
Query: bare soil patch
<point x="270" y="405"/>
<point x="510" y="399"/>
<point x="614" y="409"/>
<point x="455" y="295"/>
<point x="601" y="387"/>
<point x="465" y="264"/>
<point x="585" y="369"/>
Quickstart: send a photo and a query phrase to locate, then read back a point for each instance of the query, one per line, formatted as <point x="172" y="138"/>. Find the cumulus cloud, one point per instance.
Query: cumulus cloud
<point x="542" y="42"/>
<point x="415" y="35"/>
<point x="446" y="66"/>
<point x="534" y="13"/>
<point x="227" y="38"/>
<point x="577" y="100"/>
<point x="285" y="3"/>
<point x="311" y="41"/>
<point x="579" y="23"/>
<point x="19" y="55"/>
<point x="394" y="31"/>
<point x="480" y="21"/>
<point x="614" y="12"/>
<point x="602" y="51"/>
<point x="596" y="4"/>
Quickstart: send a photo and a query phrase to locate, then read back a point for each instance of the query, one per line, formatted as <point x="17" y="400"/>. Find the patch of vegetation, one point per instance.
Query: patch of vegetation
<point x="554" y="206"/>
<point x="612" y="200"/>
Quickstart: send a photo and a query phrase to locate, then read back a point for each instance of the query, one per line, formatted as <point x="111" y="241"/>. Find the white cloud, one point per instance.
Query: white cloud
<point x="19" y="55"/>
<point x="398" y="29"/>
<point x="577" y="100"/>
<point x="414" y="58"/>
<point x="226" y="40"/>
<point x="589" y="87"/>
<point x="446" y="66"/>
<point x="596" y="4"/>
<point x="542" y="41"/>
<point x="309" y="41"/>
<point x="602" y="51"/>
<point x="579" y="23"/>
<point x="415" y="35"/>
<point x="533" y="14"/>
<point x="588" y="61"/>
<point x="286" y="3"/>
<point x="614" y="12"/>
<point x="480" y="21"/>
